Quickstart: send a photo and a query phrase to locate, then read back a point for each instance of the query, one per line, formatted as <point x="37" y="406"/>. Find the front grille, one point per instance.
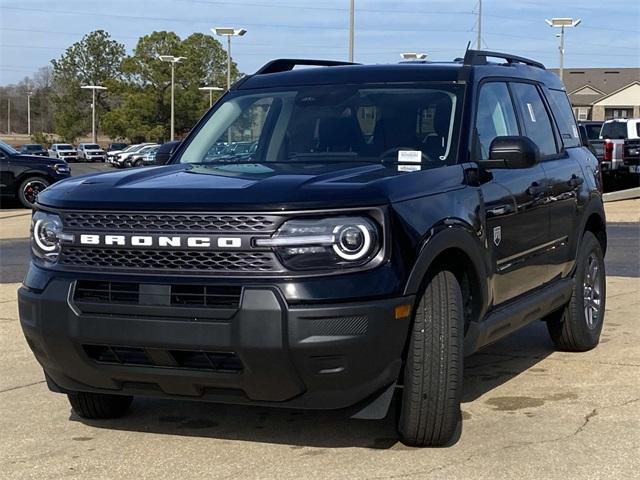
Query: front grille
<point x="90" y="293"/>
<point x="170" y="222"/>
<point x="224" y="362"/>
<point x="106" y="292"/>
<point x="172" y="261"/>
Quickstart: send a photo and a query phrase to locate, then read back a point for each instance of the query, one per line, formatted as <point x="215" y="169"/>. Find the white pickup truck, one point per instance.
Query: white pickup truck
<point x="619" y="146"/>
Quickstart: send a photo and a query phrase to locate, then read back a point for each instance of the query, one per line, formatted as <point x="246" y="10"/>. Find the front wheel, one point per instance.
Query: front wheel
<point x="577" y="326"/>
<point x="99" y="405"/>
<point x="430" y="409"/>
<point x="29" y="189"/>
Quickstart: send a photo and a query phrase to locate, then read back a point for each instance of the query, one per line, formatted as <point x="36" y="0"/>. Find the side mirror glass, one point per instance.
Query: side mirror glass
<point x="512" y="152"/>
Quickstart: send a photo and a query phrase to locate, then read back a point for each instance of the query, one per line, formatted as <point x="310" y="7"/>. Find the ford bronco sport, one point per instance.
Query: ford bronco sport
<point x="390" y="220"/>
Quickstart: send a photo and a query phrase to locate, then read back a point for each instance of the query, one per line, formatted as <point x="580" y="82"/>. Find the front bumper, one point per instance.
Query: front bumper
<point x="319" y="357"/>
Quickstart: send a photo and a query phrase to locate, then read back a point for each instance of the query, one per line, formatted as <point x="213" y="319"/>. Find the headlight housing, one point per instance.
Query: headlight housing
<point x="324" y="244"/>
<point x="47" y="236"/>
<point x="60" y="168"/>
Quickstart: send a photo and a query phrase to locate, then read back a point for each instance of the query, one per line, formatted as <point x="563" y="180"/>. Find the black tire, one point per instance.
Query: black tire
<point x="138" y="163"/>
<point x="29" y="189"/>
<point x="430" y="409"/>
<point x="99" y="405"/>
<point x="572" y="328"/>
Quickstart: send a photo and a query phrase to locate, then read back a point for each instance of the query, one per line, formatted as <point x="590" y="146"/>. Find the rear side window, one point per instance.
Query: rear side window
<point x="564" y="118"/>
<point x="495" y="118"/>
<point x="537" y="125"/>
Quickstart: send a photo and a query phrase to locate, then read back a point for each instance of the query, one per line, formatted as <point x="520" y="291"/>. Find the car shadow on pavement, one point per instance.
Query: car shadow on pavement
<point x="322" y="429"/>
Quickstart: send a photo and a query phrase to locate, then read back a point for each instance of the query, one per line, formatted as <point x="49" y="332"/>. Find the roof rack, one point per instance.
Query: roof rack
<point x="479" y="57"/>
<point x="287" y="64"/>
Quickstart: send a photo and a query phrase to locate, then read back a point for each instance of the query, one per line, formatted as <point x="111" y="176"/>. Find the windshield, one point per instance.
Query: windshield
<point x="132" y="148"/>
<point x="65" y="147"/>
<point x="91" y="146"/>
<point x="331" y="124"/>
<point x="33" y="147"/>
<point x="614" y="130"/>
<point x="8" y="148"/>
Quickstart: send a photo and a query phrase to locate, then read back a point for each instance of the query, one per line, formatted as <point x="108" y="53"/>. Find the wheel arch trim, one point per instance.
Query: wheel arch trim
<point x="451" y="235"/>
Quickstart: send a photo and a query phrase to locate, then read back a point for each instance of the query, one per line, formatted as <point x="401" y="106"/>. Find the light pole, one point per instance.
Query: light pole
<point x="29" y="93"/>
<point x="211" y="90"/>
<point x="412" y="56"/>
<point x="93" y="89"/>
<point x="172" y="60"/>
<point x="561" y="23"/>
<point x="352" y="14"/>
<point x="229" y="32"/>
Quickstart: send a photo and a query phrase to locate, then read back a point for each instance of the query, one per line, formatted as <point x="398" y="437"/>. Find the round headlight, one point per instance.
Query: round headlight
<point x="352" y="241"/>
<point x="47" y="229"/>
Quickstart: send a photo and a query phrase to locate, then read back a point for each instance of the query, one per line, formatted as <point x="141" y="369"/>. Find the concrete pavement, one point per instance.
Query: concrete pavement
<point x="529" y="413"/>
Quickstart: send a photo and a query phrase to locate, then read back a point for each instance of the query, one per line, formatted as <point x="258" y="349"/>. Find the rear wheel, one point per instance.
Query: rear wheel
<point x="138" y="163"/>
<point x="577" y="327"/>
<point x="99" y="405"/>
<point x="29" y="189"/>
<point x="430" y="409"/>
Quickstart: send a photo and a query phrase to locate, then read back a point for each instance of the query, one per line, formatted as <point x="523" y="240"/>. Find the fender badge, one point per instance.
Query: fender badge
<point x="497" y="235"/>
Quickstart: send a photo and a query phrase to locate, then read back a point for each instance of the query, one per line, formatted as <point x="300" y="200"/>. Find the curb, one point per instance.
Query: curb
<point x="622" y="195"/>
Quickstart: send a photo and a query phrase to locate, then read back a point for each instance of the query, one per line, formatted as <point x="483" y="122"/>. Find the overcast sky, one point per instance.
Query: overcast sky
<point x="35" y="31"/>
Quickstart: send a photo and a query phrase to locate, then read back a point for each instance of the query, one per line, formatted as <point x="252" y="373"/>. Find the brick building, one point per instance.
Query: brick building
<point x="603" y="93"/>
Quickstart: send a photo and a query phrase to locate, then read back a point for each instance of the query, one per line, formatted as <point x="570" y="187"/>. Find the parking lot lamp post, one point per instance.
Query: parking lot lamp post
<point x="229" y="32"/>
<point x="93" y="89"/>
<point x="29" y="93"/>
<point x="172" y="60"/>
<point x="561" y="23"/>
<point x="211" y="90"/>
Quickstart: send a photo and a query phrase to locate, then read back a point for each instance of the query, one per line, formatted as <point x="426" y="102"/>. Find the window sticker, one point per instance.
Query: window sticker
<point x="575" y="131"/>
<point x="531" y="114"/>
<point x="409" y="156"/>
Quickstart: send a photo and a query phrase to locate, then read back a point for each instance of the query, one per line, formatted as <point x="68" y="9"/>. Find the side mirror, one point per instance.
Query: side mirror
<point x="512" y="152"/>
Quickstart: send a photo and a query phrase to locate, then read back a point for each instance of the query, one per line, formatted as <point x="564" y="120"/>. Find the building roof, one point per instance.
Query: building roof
<point x="604" y="80"/>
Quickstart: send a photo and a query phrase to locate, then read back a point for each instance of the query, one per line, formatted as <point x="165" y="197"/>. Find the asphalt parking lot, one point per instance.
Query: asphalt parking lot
<point x="529" y="411"/>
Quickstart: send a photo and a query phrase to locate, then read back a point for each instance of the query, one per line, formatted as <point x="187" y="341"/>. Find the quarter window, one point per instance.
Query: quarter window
<point x="564" y="119"/>
<point x="495" y="118"/>
<point x="537" y="125"/>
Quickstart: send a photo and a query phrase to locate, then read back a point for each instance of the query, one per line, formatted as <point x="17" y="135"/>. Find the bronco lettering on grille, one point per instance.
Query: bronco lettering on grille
<point x="162" y="241"/>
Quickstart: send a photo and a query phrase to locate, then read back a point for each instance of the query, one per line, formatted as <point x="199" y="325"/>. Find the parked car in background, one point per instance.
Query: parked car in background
<point x="620" y="144"/>
<point x="137" y="159"/>
<point x="592" y="128"/>
<point x="143" y="158"/>
<point x="117" y="146"/>
<point x="590" y="131"/>
<point x="63" y="151"/>
<point x="23" y="177"/>
<point x="122" y="159"/>
<point x="113" y="154"/>
<point x="164" y="152"/>
<point x="34" y="149"/>
<point x="91" y="152"/>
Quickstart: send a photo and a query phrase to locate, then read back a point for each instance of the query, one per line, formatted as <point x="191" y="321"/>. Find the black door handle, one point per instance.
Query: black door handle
<point x="575" y="181"/>
<point x="536" y="189"/>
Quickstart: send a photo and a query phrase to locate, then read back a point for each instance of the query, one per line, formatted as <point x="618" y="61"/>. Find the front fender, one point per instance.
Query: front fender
<point x="451" y="234"/>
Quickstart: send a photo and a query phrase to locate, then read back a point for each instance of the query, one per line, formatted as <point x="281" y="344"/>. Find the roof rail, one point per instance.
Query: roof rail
<point x="287" y="64"/>
<point x="479" y="57"/>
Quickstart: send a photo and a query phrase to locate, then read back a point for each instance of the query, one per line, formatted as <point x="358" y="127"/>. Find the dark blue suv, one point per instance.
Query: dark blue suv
<point x="387" y="221"/>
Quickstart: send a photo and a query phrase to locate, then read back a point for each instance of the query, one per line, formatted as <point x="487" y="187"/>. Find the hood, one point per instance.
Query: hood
<point x="39" y="159"/>
<point x="248" y="187"/>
